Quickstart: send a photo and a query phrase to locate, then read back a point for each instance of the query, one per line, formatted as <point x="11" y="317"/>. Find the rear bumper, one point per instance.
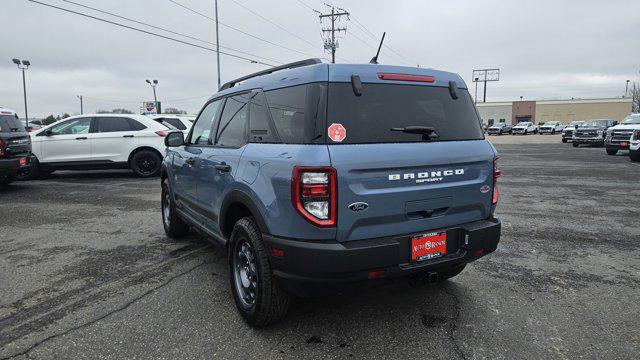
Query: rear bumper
<point x="11" y="167"/>
<point x="314" y="268"/>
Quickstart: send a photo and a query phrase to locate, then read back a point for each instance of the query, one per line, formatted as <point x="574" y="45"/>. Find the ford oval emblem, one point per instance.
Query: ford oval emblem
<point x="358" y="206"/>
<point x="485" y="189"/>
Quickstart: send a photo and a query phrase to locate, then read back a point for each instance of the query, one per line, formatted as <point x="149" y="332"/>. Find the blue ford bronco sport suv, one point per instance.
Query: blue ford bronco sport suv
<point x="319" y="176"/>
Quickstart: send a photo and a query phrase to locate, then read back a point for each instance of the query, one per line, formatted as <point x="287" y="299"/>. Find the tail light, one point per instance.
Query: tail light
<point x="162" y="133"/>
<point x="314" y="194"/>
<point x="1" y="147"/>
<point x="406" y="77"/>
<point x="496" y="174"/>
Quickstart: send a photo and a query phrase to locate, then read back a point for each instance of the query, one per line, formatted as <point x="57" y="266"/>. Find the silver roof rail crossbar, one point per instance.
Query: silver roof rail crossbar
<point x="292" y="65"/>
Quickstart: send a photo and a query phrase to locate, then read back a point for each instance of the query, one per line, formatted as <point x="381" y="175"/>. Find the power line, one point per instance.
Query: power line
<point x="167" y="30"/>
<point x="274" y="24"/>
<point x="148" y="32"/>
<point x="238" y="30"/>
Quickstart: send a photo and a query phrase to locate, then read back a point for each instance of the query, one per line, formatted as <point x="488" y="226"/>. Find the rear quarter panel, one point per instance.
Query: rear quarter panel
<point x="265" y="175"/>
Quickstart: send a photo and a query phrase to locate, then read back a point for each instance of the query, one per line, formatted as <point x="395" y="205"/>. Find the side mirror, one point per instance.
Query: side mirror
<point x="575" y="126"/>
<point x="48" y="132"/>
<point x="174" y="138"/>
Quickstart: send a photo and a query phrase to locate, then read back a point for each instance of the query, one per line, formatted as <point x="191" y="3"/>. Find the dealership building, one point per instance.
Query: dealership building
<point x="565" y="111"/>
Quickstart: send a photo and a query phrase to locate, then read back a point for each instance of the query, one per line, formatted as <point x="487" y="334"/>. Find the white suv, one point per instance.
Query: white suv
<point x="99" y="141"/>
<point x="634" y="146"/>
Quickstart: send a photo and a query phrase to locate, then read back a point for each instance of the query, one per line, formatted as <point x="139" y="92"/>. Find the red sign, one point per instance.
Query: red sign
<point x="337" y="132"/>
<point x="428" y="246"/>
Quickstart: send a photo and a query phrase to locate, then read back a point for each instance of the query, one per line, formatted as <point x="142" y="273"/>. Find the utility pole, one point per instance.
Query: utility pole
<point x="80" y="97"/>
<point x="217" y="44"/>
<point x="330" y="43"/>
<point x="23" y="65"/>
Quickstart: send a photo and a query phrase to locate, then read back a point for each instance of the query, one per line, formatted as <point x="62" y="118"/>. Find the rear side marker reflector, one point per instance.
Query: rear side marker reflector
<point x="277" y="252"/>
<point x="406" y="77"/>
<point x="377" y="274"/>
<point x="162" y="133"/>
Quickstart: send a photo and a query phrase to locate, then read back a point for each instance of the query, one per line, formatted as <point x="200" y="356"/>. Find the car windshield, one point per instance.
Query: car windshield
<point x="574" y="123"/>
<point x="632" y="120"/>
<point x="522" y="124"/>
<point x="498" y="125"/>
<point x="594" y="123"/>
<point x="10" y="123"/>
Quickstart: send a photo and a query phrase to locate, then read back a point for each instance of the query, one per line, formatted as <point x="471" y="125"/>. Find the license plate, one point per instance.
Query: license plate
<point x="624" y="144"/>
<point x="428" y="246"/>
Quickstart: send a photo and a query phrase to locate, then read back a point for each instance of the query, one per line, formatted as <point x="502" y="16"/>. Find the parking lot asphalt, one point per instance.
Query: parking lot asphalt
<point x="87" y="272"/>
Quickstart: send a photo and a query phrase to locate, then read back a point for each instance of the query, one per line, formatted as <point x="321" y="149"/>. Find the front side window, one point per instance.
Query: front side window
<point x="71" y="127"/>
<point x="113" y="124"/>
<point x="202" y="128"/>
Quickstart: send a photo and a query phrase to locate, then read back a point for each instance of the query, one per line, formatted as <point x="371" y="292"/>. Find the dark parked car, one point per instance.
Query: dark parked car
<point x="499" y="129"/>
<point x="15" y="147"/>
<point x="322" y="176"/>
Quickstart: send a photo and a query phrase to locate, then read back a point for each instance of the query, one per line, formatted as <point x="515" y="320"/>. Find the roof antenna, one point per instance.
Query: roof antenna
<point x="374" y="60"/>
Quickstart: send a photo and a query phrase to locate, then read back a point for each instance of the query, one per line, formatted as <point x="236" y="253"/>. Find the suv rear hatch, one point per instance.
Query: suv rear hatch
<point x="409" y="182"/>
<point x="14" y="139"/>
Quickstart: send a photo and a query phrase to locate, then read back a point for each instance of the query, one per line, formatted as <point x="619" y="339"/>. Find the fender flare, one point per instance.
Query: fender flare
<point x="239" y="196"/>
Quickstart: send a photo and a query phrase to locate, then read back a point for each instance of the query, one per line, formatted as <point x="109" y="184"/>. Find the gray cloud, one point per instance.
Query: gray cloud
<point x="545" y="49"/>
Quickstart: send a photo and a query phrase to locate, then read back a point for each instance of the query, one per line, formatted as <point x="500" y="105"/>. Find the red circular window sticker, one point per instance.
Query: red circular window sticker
<point x="337" y="132"/>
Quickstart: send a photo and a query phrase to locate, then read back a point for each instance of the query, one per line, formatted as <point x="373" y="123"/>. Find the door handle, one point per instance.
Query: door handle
<point x="81" y="138"/>
<point x="190" y="161"/>
<point x="127" y="136"/>
<point x="223" y="167"/>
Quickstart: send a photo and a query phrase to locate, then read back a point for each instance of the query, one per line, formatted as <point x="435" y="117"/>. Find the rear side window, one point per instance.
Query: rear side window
<point x="113" y="124"/>
<point x="233" y="122"/>
<point x="176" y="123"/>
<point x="298" y="113"/>
<point x="369" y="118"/>
<point x="259" y="120"/>
<point x="10" y="123"/>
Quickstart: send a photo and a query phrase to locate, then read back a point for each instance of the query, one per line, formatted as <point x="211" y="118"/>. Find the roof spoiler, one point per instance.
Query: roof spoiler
<point x="292" y="65"/>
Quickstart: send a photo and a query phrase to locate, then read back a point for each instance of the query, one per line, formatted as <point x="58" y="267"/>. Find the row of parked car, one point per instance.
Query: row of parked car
<point x="85" y="142"/>
<point x="526" y="128"/>
<point x="612" y="135"/>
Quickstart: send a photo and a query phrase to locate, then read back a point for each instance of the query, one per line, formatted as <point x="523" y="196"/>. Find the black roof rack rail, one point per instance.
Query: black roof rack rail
<point x="292" y="65"/>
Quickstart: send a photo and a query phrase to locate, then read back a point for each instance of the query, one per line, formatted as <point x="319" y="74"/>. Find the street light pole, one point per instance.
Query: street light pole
<point x="217" y="45"/>
<point x="626" y="89"/>
<point x="475" y="99"/>
<point x="80" y="97"/>
<point x="23" y="65"/>
<point x="155" y="99"/>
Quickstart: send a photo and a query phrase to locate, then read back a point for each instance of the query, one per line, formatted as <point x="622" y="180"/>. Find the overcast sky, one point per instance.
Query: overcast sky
<point x="545" y="49"/>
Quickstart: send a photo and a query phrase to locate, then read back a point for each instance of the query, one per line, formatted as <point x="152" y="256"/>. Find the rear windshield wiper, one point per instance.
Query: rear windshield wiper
<point x="428" y="133"/>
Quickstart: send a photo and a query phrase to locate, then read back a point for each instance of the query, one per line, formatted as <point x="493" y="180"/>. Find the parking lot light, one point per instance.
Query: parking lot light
<point x="153" y="84"/>
<point x="23" y="65"/>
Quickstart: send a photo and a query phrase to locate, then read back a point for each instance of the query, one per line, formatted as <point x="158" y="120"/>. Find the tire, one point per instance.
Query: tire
<point x="145" y="163"/>
<point x="526" y="132"/>
<point x="612" y="151"/>
<point x="553" y="132"/>
<point x="259" y="299"/>
<point x="6" y="180"/>
<point x="174" y="227"/>
<point x="634" y="156"/>
<point x="575" y="144"/>
<point x="448" y="274"/>
<point x="500" y="132"/>
<point x="564" y="140"/>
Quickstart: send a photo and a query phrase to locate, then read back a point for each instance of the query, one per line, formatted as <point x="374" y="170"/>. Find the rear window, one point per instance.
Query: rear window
<point x="9" y="123"/>
<point x="368" y="118"/>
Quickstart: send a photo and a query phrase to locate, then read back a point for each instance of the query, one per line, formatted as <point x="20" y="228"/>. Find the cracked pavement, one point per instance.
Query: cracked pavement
<point x="86" y="272"/>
